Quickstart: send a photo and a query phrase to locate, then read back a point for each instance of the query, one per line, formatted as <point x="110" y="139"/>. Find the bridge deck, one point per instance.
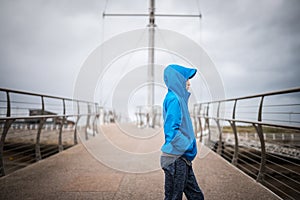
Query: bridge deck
<point x="76" y="174"/>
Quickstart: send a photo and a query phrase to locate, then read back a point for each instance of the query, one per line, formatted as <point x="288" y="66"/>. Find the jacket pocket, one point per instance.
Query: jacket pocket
<point x="168" y="164"/>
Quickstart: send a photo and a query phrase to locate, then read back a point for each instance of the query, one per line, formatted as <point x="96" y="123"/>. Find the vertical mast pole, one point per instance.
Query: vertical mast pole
<point x="151" y="27"/>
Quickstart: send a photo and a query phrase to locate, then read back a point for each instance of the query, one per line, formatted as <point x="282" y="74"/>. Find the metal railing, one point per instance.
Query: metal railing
<point x="26" y="118"/>
<point x="148" y="116"/>
<point x="259" y="134"/>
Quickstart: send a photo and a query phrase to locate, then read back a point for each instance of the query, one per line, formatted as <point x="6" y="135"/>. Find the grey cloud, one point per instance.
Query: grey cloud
<point x="43" y="43"/>
<point x="251" y="42"/>
<point x="257" y="39"/>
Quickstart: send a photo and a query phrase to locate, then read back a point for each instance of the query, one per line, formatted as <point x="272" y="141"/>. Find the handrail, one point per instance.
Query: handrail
<point x="44" y="95"/>
<point x="43" y="116"/>
<point x="249" y="122"/>
<point x="240" y="151"/>
<point x="286" y="91"/>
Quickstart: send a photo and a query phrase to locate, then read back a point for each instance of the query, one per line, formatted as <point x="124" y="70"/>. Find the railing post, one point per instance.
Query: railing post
<point x="60" y="146"/>
<point x="220" y="146"/>
<point x="7" y="125"/>
<point x="76" y="124"/>
<point x="236" y="144"/>
<point x="87" y="121"/>
<point x="259" y="130"/>
<point x="137" y="119"/>
<point x="94" y="121"/>
<point x="200" y="123"/>
<point x="195" y="120"/>
<point x="140" y="117"/>
<point x="207" y="123"/>
<point x="153" y="117"/>
<point x="97" y="117"/>
<point x="38" y="155"/>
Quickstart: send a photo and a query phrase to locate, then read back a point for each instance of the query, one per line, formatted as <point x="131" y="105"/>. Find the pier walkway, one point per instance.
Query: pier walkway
<point x="76" y="174"/>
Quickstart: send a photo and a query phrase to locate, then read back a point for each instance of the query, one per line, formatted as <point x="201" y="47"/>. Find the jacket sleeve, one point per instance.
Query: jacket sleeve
<point x="173" y="119"/>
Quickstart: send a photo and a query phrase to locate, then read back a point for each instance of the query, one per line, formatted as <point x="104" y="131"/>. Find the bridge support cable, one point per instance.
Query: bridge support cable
<point x="150" y="104"/>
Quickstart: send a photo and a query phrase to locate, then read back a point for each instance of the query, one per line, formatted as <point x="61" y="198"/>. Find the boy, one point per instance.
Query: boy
<point x="180" y="147"/>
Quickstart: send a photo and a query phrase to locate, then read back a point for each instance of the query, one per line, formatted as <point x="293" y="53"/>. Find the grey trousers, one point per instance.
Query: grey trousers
<point x="179" y="179"/>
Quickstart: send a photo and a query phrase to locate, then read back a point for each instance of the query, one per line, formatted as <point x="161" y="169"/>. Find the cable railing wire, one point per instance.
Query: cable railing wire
<point x="285" y="121"/>
<point x="245" y="156"/>
<point x="225" y="155"/>
<point x="285" y="160"/>
<point x="25" y="102"/>
<point x="281" y="105"/>
<point x="251" y="166"/>
<point x="247" y="170"/>
<point x="24" y="164"/>
<point x="297" y="191"/>
<point x="285" y="168"/>
<point x="276" y="188"/>
<point x="18" y="147"/>
<point x="22" y="158"/>
<point x="283" y="113"/>
<point x="281" y="174"/>
<point x="249" y="152"/>
<point x="45" y="155"/>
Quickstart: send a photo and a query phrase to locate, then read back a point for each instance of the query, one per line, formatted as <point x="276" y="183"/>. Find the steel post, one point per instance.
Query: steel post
<point x="60" y="146"/>
<point x="87" y="121"/>
<point x="236" y="139"/>
<point x="259" y="130"/>
<point x="7" y="125"/>
<point x="38" y="155"/>
<point x="220" y="145"/>
<point x="207" y="123"/>
<point x="76" y="124"/>
<point x="200" y="123"/>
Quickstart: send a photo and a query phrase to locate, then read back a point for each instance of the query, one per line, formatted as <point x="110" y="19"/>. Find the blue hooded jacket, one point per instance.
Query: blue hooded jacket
<point x="179" y="134"/>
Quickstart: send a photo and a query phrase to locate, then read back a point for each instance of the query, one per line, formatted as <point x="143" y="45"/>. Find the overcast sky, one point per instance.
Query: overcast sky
<point x="255" y="45"/>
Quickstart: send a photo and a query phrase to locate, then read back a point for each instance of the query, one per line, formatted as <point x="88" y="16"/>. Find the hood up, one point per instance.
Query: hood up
<point x="175" y="77"/>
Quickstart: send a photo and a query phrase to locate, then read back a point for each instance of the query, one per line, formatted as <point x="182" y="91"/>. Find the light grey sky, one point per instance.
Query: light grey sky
<point x="255" y="45"/>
